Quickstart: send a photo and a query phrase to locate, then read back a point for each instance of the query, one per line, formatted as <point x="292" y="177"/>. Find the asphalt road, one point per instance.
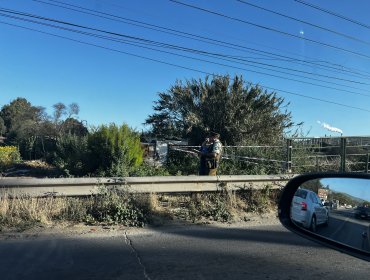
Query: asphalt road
<point x="177" y="252"/>
<point x="345" y="228"/>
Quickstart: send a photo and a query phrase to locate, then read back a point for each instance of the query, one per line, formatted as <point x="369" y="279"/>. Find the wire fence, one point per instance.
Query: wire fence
<point x="301" y="155"/>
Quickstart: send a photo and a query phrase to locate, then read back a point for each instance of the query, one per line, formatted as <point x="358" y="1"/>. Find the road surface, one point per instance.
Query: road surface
<point x="345" y="228"/>
<point x="176" y="252"/>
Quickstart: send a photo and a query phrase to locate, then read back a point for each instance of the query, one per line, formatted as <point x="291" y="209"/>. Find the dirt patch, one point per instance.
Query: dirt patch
<point x="32" y="168"/>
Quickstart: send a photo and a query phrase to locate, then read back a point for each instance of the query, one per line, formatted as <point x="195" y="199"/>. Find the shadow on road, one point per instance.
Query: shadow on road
<point x="274" y="234"/>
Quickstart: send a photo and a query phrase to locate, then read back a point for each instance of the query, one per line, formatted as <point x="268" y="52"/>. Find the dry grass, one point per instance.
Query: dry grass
<point x="224" y="206"/>
<point x="25" y="210"/>
<point x="112" y="207"/>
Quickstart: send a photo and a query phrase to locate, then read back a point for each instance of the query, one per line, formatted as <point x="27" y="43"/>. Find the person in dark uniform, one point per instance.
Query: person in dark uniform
<point x="204" y="148"/>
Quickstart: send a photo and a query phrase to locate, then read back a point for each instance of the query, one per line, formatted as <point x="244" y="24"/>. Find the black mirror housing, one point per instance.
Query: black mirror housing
<point x="285" y="203"/>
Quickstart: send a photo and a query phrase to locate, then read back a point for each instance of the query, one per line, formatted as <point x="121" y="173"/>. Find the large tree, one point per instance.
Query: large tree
<point x="34" y="131"/>
<point x="240" y="112"/>
<point x="17" y="112"/>
<point x="2" y="127"/>
<point x="20" y="119"/>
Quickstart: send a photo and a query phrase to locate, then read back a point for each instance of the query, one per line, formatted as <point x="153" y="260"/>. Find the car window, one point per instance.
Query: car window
<point x="301" y="193"/>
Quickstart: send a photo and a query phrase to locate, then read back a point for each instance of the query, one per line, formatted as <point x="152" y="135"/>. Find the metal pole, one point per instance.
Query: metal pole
<point x="317" y="163"/>
<point x="289" y="156"/>
<point x="343" y="144"/>
<point x="367" y="163"/>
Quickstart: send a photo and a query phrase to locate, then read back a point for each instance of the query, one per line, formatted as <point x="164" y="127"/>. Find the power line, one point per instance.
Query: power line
<point x="333" y="14"/>
<point x="270" y="29"/>
<point x="337" y="68"/>
<point x="305" y="22"/>
<point x="182" y="67"/>
<point x="198" y="59"/>
<point x="225" y="57"/>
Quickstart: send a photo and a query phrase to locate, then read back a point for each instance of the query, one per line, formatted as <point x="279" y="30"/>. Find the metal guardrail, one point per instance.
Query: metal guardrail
<point x="167" y="184"/>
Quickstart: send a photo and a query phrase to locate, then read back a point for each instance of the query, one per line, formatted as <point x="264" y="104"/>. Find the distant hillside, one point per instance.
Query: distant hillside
<point x="345" y="198"/>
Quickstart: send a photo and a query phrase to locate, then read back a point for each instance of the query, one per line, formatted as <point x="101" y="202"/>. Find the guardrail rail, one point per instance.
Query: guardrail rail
<point x="166" y="184"/>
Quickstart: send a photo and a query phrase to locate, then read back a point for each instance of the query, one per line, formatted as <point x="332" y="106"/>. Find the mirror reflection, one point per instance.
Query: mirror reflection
<point x="335" y="208"/>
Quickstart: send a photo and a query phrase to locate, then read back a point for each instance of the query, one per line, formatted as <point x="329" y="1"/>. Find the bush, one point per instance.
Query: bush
<point x="108" y="207"/>
<point x="180" y="163"/>
<point x="71" y="154"/>
<point x="116" y="207"/>
<point x="258" y="201"/>
<point x="149" y="170"/>
<point x="114" y="150"/>
<point x="8" y="156"/>
<point x="213" y="206"/>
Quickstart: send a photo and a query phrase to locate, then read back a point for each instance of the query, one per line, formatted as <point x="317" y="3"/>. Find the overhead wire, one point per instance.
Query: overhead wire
<point x="304" y="22"/>
<point x="333" y="14"/>
<point x="183" y="67"/>
<point x="270" y="29"/>
<point x="197" y="51"/>
<point x="192" y="50"/>
<point x="198" y="59"/>
<point x="269" y="55"/>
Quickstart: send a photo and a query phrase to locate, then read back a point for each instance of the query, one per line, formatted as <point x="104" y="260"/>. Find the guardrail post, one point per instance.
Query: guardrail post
<point x="289" y="155"/>
<point x="343" y="144"/>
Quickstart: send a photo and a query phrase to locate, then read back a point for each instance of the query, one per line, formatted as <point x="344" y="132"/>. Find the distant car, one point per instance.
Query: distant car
<point x="362" y="212"/>
<point x="327" y="204"/>
<point x="307" y="210"/>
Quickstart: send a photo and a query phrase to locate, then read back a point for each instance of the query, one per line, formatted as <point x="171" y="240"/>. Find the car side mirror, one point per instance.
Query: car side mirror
<point x="343" y="223"/>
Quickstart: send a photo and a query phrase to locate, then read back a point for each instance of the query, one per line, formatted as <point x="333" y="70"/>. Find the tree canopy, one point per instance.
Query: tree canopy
<point x="34" y="131"/>
<point x="64" y="141"/>
<point x="240" y="112"/>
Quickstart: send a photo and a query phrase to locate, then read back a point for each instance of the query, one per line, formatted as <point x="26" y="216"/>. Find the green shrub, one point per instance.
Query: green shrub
<point x="149" y="170"/>
<point x="114" y="150"/>
<point x="71" y="154"/>
<point x="116" y="207"/>
<point x="212" y="206"/>
<point x="8" y="156"/>
<point x="180" y="163"/>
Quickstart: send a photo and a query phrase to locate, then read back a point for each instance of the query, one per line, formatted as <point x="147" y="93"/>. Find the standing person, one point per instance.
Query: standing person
<point x="212" y="155"/>
<point x="204" y="149"/>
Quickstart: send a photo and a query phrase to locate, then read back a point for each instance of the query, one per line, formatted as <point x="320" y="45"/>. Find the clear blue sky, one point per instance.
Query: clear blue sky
<point x="359" y="188"/>
<point x="116" y="87"/>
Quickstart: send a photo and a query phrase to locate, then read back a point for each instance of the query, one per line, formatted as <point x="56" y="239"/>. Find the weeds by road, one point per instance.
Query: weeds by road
<point x="116" y="207"/>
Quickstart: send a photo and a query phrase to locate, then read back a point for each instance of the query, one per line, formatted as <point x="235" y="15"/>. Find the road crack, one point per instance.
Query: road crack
<point x="128" y="241"/>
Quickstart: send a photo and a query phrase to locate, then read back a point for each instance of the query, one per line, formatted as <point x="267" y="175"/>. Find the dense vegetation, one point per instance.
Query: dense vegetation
<point x="119" y="207"/>
<point x="243" y="114"/>
<point x="64" y="141"/>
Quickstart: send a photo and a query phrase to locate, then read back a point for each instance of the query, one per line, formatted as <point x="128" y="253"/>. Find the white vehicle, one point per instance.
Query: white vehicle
<point x="307" y="210"/>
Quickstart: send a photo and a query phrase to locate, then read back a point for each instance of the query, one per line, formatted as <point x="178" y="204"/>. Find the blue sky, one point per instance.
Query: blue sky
<point x="359" y="188"/>
<point x="114" y="87"/>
